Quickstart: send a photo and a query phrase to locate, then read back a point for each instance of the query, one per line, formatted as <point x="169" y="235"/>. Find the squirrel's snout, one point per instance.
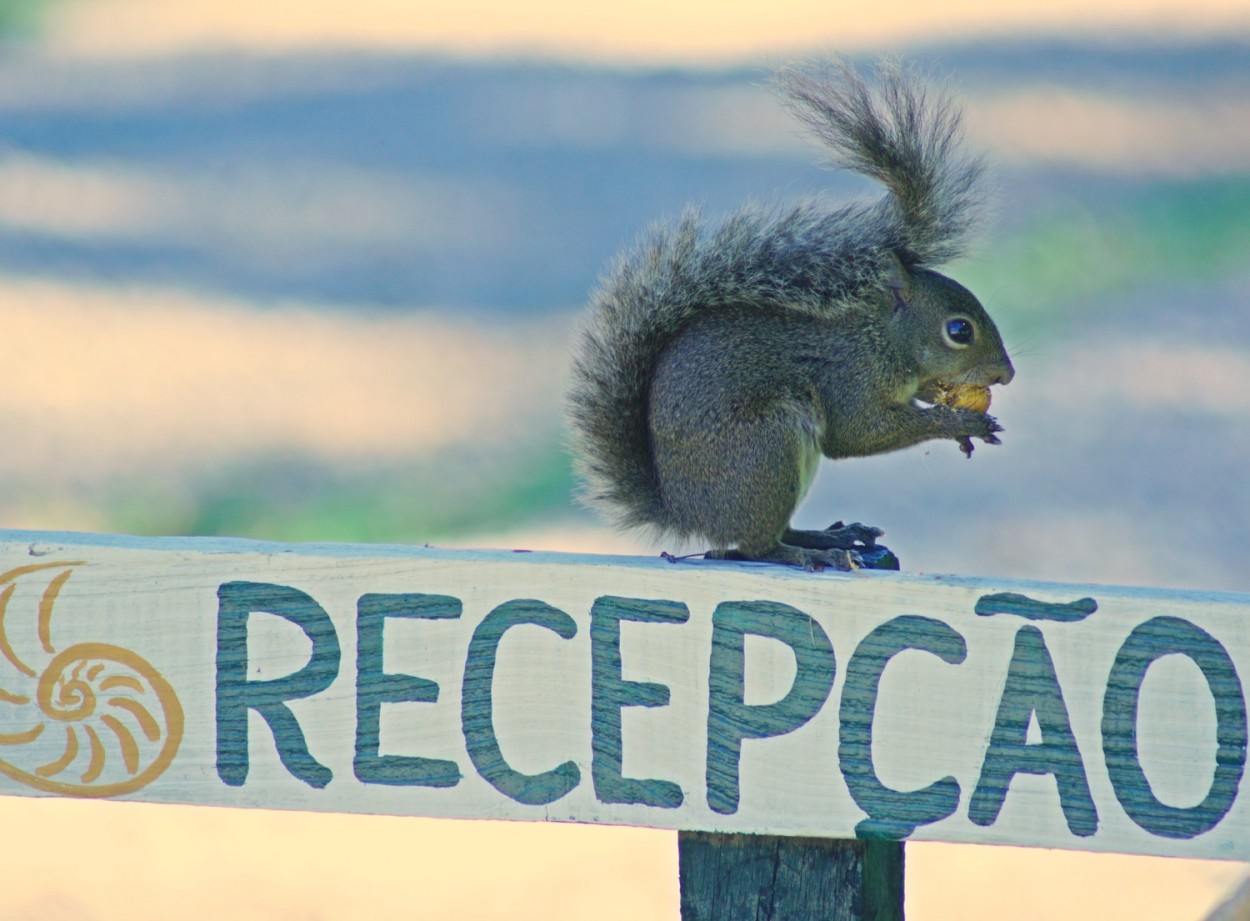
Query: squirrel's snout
<point x="984" y="375"/>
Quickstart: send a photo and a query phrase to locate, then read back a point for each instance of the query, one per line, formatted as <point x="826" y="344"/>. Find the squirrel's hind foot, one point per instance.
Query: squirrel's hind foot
<point x="837" y="536"/>
<point x="810" y="560"/>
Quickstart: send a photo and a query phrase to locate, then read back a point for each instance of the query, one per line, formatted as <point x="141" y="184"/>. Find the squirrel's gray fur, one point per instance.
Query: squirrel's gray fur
<point x="790" y="288"/>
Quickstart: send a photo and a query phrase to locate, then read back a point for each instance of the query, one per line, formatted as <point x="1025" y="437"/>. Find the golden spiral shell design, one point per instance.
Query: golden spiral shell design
<point x="101" y="720"/>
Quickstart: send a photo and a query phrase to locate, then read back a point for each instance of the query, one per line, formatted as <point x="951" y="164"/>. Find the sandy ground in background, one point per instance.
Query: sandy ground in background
<point x="91" y="861"/>
<point x="650" y="30"/>
<point x="99" y="381"/>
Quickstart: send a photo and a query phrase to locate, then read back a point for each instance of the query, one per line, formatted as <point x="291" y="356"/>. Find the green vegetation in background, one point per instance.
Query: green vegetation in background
<point x="438" y="497"/>
<point x="1075" y="252"/>
<point x="21" y="18"/>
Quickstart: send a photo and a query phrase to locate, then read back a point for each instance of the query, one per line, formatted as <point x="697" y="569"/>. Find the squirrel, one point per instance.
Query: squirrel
<point x="720" y="361"/>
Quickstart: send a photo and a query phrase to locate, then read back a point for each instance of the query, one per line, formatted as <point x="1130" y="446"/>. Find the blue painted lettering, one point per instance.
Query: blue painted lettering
<point x="236" y="694"/>
<point x="477" y="709"/>
<point x="730" y="719"/>
<point x="375" y="687"/>
<point x="611" y="692"/>
<point x="1156" y="638"/>
<point x="1032" y="689"/>
<point x="892" y="814"/>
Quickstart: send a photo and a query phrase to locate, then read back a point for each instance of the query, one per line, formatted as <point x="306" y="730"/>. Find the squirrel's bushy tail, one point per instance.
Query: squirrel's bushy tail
<point x="633" y="312"/>
<point x="905" y="135"/>
<point x="811" y="258"/>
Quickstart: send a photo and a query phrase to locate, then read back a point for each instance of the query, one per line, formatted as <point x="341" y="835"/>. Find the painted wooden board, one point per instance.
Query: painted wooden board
<point x="699" y="696"/>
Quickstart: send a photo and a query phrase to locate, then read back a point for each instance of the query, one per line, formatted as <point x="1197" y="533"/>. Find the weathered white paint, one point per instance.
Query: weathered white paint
<point x="150" y="608"/>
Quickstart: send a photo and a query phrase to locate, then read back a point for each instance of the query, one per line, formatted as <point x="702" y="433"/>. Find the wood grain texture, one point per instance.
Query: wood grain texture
<point x="700" y="696"/>
<point x="772" y="878"/>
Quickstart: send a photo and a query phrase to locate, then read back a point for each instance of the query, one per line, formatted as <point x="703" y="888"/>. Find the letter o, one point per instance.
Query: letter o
<point x="1150" y="641"/>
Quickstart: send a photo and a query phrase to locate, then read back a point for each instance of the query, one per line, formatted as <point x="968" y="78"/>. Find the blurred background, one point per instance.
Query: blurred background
<point x="313" y="271"/>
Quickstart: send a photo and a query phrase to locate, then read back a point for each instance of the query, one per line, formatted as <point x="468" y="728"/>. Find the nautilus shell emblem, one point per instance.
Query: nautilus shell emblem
<point x="90" y="720"/>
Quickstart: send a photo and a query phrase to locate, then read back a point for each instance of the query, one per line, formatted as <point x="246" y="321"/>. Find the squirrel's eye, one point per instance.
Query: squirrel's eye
<point x="959" y="332"/>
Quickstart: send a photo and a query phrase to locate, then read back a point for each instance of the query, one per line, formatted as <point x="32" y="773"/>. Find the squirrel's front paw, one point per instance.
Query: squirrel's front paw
<point x="976" y="425"/>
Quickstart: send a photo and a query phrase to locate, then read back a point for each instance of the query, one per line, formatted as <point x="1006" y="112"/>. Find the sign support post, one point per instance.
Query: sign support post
<point x="773" y="878"/>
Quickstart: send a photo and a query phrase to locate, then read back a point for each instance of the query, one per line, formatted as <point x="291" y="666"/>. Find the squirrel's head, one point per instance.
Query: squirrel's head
<point x="944" y="330"/>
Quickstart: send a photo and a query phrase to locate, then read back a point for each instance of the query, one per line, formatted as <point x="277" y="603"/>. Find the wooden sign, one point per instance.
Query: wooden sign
<point x="696" y="695"/>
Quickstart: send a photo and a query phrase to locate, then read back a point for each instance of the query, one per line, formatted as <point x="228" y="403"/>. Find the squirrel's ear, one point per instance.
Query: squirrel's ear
<point x="898" y="280"/>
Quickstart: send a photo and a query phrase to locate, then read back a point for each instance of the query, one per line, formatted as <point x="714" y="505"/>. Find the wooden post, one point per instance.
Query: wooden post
<point x="777" y="878"/>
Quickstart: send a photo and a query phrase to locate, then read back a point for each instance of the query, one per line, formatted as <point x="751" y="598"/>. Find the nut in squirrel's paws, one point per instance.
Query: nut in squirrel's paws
<point x="965" y="396"/>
